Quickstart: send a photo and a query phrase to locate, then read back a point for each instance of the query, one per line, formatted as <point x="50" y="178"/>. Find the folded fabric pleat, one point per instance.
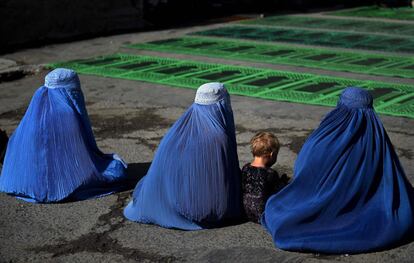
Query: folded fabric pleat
<point x="194" y="179"/>
<point x="53" y="154"/>
<point x="349" y="193"/>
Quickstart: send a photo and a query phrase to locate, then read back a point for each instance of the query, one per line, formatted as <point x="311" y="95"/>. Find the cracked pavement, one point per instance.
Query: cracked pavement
<point x="130" y="118"/>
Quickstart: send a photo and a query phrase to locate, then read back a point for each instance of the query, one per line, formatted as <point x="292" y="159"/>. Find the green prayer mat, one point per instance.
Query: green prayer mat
<point x="389" y="98"/>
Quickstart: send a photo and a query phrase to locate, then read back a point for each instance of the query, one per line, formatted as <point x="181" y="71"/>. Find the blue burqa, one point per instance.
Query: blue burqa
<point x="52" y="155"/>
<point x="349" y="193"/>
<point x="194" y="179"/>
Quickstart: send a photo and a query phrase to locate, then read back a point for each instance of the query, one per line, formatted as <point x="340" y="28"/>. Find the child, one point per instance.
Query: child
<point x="259" y="181"/>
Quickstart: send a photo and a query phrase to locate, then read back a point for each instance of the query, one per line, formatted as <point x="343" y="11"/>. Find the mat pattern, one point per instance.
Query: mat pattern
<point x="357" y="62"/>
<point x="313" y="37"/>
<point x="391" y="99"/>
<point x="392" y="28"/>
<point x="402" y="13"/>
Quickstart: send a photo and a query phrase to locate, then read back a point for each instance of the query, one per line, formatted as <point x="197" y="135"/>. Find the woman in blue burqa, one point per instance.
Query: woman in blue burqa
<point x="194" y="179"/>
<point x="52" y="155"/>
<point x="349" y="193"/>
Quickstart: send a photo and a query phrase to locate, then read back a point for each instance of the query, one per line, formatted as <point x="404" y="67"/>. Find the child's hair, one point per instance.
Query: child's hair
<point x="264" y="143"/>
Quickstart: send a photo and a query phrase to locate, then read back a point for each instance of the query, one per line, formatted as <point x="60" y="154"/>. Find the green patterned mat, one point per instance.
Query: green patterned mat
<point x="391" y="99"/>
<point x="346" y="24"/>
<point x="402" y="13"/>
<point x="312" y="37"/>
<point x="383" y="65"/>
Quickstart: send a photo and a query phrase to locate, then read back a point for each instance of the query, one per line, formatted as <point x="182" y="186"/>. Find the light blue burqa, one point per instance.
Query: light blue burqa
<point x="194" y="180"/>
<point x="52" y="155"/>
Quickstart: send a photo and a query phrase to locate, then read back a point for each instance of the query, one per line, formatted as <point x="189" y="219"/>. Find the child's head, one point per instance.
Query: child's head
<point x="265" y="145"/>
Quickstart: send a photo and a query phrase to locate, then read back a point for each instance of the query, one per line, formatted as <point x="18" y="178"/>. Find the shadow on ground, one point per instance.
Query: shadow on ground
<point x="101" y="241"/>
<point x="135" y="172"/>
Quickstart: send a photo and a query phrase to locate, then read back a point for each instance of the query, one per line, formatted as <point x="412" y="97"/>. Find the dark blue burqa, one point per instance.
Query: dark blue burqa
<point x="349" y="193"/>
<point x="194" y="179"/>
<point x="52" y="155"/>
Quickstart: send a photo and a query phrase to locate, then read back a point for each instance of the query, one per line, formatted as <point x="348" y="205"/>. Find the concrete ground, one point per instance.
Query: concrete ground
<point x="130" y="118"/>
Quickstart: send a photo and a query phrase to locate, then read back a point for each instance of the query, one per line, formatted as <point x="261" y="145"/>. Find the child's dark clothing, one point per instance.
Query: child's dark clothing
<point x="258" y="185"/>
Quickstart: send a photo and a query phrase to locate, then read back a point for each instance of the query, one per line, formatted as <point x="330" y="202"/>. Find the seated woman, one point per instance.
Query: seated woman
<point x="349" y="193"/>
<point x="194" y="179"/>
<point x="52" y="155"/>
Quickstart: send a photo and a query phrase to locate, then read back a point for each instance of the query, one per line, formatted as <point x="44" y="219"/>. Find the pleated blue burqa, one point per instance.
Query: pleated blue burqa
<point x="349" y="193"/>
<point x="194" y="179"/>
<point x="52" y="155"/>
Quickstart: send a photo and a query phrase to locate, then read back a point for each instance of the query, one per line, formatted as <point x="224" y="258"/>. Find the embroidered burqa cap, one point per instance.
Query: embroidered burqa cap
<point x="210" y="93"/>
<point x="62" y="78"/>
